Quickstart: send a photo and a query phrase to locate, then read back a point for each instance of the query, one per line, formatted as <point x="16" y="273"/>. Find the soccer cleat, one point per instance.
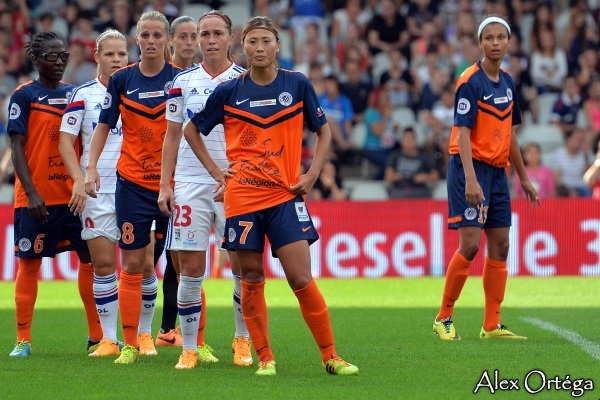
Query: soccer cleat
<point x="205" y="354"/>
<point x="266" y="368"/>
<point x="171" y="338"/>
<point x="337" y="366"/>
<point x="22" y="349"/>
<point x="242" y="356"/>
<point x="129" y="355"/>
<point x="106" y="347"/>
<point x="187" y="360"/>
<point x="445" y="329"/>
<point x="146" y="344"/>
<point x="501" y="333"/>
<point x="92" y="345"/>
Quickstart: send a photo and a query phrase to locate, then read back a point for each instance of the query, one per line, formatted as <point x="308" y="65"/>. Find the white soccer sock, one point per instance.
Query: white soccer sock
<point x="240" y="325"/>
<point x="107" y="303"/>
<point x="149" y="293"/>
<point x="189" y="304"/>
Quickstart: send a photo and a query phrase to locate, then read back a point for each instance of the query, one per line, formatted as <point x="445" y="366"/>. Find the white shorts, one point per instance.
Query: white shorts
<point x="195" y="214"/>
<point x="100" y="219"/>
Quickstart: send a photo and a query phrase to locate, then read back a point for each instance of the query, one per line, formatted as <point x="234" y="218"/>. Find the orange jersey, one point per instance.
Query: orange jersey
<point x="263" y="134"/>
<point x="140" y="101"/>
<point x="490" y="109"/>
<point x="36" y="112"/>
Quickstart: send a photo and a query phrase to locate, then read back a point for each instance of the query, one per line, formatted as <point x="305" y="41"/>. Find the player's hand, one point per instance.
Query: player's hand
<point x="474" y="193"/>
<point x="78" y="198"/>
<point x="531" y="194"/>
<point x="37" y="207"/>
<point x="166" y="200"/>
<point x="92" y="182"/>
<point x="304" y="185"/>
<point x="219" y="192"/>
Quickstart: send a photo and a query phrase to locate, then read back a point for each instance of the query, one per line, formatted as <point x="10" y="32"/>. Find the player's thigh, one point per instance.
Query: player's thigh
<point x="295" y="261"/>
<point x="192" y="263"/>
<point x="289" y="222"/>
<point x="498" y="213"/>
<point x="100" y="219"/>
<point x="460" y="212"/>
<point x="104" y="255"/>
<point x="193" y="217"/>
<point x="245" y="232"/>
<point x="136" y="209"/>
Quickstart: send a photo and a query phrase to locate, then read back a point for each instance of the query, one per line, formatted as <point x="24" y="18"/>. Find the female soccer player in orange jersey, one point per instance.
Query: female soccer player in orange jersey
<point x="483" y="141"/>
<point x="263" y="113"/>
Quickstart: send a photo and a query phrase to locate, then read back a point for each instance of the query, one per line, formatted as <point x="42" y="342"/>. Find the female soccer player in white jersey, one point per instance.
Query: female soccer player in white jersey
<point x="191" y="204"/>
<point x="138" y="94"/>
<point x="97" y="214"/>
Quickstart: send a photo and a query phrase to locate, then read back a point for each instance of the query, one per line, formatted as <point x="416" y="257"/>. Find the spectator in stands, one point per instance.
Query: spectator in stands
<point x="315" y="75"/>
<point x="592" y="109"/>
<point x="585" y="37"/>
<point x="548" y="64"/>
<point x="353" y="46"/>
<point x="526" y="92"/>
<point x="419" y="13"/>
<point x="567" y="106"/>
<point x="398" y="81"/>
<point x="357" y="88"/>
<point x="441" y="118"/>
<point x="432" y="92"/>
<point x="462" y="25"/>
<point x="329" y="185"/>
<point x="277" y="10"/>
<point x="343" y="18"/>
<point x="123" y="21"/>
<point x="79" y="70"/>
<point x="49" y="23"/>
<point x="388" y="31"/>
<point x="408" y="172"/>
<point x="165" y="7"/>
<point x="303" y="13"/>
<point x="588" y="69"/>
<point x="541" y="177"/>
<point x="543" y="19"/>
<point x="85" y="34"/>
<point x="571" y="20"/>
<point x="569" y="163"/>
<point x="311" y="49"/>
<point x="338" y="109"/>
<point x="466" y="54"/>
<point x="592" y="175"/>
<point x="382" y="132"/>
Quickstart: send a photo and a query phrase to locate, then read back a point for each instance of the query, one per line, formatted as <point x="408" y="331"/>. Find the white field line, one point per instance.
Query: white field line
<point x="586" y="345"/>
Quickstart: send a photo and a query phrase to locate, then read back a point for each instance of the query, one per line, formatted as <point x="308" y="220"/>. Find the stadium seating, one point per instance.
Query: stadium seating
<point x="194" y="10"/>
<point x="440" y="191"/>
<point x="238" y="12"/>
<point x="369" y="190"/>
<point x="545" y="105"/>
<point x="404" y="116"/>
<point x="359" y="134"/>
<point x="549" y="137"/>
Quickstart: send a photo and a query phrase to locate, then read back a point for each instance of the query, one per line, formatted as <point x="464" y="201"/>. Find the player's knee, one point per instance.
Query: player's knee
<point x="299" y="282"/>
<point x="104" y="266"/>
<point x="469" y="250"/>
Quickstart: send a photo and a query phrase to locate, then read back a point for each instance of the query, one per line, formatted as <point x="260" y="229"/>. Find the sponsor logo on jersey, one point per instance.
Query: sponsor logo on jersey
<point x="98" y="107"/>
<point x="263" y="103"/>
<point x="194" y="92"/>
<point x="470" y="213"/>
<point x="15" y="111"/>
<point x="301" y="211"/>
<point x="285" y="99"/>
<point x="463" y="106"/>
<point x="58" y="101"/>
<point x="172" y="108"/>
<point x="500" y="100"/>
<point x="148" y="95"/>
<point x="72" y="120"/>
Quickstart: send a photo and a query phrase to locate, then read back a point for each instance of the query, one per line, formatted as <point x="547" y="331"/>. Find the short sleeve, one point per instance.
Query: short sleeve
<point x="465" y="105"/>
<point x="18" y="113"/>
<point x="112" y="99"/>
<point x="213" y="112"/>
<point x="175" y="103"/>
<point x="74" y="114"/>
<point x="313" y="113"/>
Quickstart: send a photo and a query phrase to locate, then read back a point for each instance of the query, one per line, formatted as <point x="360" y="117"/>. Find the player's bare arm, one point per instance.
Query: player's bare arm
<point x="66" y="142"/>
<point x="517" y="162"/>
<point x="321" y="150"/>
<point x="473" y="192"/>
<point x="166" y="197"/>
<point x="92" y="179"/>
<point x="35" y="203"/>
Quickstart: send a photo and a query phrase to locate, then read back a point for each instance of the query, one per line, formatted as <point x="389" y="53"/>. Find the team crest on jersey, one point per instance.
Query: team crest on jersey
<point x="319" y="111"/>
<point x="72" y="120"/>
<point x="470" y="213"/>
<point x="107" y="101"/>
<point x="301" y="211"/>
<point x="509" y="94"/>
<point x="177" y="233"/>
<point x="24" y="244"/>
<point x="15" y="111"/>
<point x="285" y="99"/>
<point x="463" y="106"/>
<point x="231" y="235"/>
<point x="168" y="86"/>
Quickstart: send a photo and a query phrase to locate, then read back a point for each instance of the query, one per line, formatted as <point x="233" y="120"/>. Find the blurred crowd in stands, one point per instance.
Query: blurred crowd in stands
<point x="385" y="72"/>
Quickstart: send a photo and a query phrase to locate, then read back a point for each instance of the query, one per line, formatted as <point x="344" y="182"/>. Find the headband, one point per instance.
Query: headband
<point x="492" y="20"/>
<point x="273" y="31"/>
<point x="208" y="14"/>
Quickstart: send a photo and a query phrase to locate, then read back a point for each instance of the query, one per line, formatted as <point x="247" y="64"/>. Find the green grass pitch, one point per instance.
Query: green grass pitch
<point x="383" y="326"/>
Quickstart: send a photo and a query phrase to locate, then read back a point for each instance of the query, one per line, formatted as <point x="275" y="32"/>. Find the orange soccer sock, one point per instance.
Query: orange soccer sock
<point x="202" y="325"/>
<point x="85" y="283"/>
<point x="456" y="276"/>
<point x="130" y="304"/>
<point x="26" y="289"/>
<point x="254" y="309"/>
<point x="495" y="275"/>
<point x="315" y="313"/>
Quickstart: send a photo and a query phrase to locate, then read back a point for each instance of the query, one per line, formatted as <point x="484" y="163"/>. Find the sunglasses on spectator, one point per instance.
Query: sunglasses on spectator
<point x="53" y="56"/>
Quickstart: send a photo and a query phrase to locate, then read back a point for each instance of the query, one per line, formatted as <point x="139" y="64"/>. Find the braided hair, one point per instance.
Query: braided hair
<point x="34" y="45"/>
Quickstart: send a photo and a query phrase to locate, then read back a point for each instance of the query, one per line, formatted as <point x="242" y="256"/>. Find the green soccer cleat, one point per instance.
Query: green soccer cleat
<point x="501" y="333"/>
<point x="205" y="354"/>
<point x="267" y="368"/>
<point x="336" y="366"/>
<point x="22" y="349"/>
<point x="129" y="355"/>
<point x="445" y="329"/>
<point x="92" y="345"/>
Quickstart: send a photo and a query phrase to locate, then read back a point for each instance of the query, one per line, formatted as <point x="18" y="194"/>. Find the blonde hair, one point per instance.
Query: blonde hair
<point x="156" y="16"/>
<point x="108" y="34"/>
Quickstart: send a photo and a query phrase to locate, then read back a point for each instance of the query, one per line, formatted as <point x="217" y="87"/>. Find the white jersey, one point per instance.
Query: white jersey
<point x="187" y="96"/>
<point x="80" y="119"/>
